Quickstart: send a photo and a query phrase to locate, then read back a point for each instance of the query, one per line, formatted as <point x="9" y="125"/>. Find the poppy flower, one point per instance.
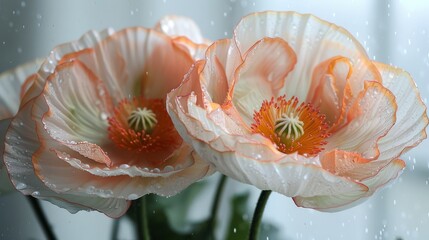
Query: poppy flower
<point x="293" y="104"/>
<point x="92" y="130"/>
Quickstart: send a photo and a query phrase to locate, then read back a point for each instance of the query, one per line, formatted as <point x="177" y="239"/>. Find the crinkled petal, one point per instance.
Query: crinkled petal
<point x="78" y="104"/>
<point x="370" y="117"/>
<point x="88" y="40"/>
<point x="222" y="58"/>
<point x="178" y="161"/>
<point x="411" y="116"/>
<point x="350" y="164"/>
<point x="5" y="184"/>
<point x="261" y="76"/>
<point x="255" y="162"/>
<point x="62" y="177"/>
<point x="330" y="89"/>
<point x="21" y="142"/>
<point x="333" y="203"/>
<point x="11" y="87"/>
<point x="288" y="176"/>
<point x="313" y="40"/>
<point x="143" y="59"/>
<point x="176" y="26"/>
<point x="195" y="50"/>
<point x="186" y="33"/>
<point x="72" y="109"/>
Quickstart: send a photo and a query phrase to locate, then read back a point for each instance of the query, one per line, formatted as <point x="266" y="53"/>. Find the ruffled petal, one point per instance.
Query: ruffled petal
<point x="21" y="142"/>
<point x="61" y="177"/>
<point x="334" y="203"/>
<point x="78" y="104"/>
<point x="330" y="89"/>
<point x="266" y="65"/>
<point x="74" y="109"/>
<point x="56" y="56"/>
<point x="350" y="164"/>
<point x="222" y="58"/>
<point x="287" y="176"/>
<point x="253" y="161"/>
<point x="176" y="162"/>
<point x="313" y="40"/>
<point x="11" y="87"/>
<point x="371" y="116"/>
<point x="143" y="59"/>
<point x="176" y="26"/>
<point x="411" y="116"/>
<point x="5" y="184"/>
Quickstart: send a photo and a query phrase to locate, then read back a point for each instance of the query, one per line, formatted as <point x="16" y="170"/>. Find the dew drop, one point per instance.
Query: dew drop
<point x="124" y="166"/>
<point x="168" y="169"/>
<point x="21" y="186"/>
<point x="133" y="196"/>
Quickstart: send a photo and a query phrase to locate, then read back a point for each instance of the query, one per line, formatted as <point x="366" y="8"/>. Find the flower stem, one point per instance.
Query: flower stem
<point x="41" y="218"/>
<point x="142" y="222"/>
<point x="257" y="215"/>
<point x="216" y="202"/>
<point x="115" y="229"/>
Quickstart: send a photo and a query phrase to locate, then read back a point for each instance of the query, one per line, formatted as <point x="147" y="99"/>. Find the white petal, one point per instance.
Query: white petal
<point x="333" y="203"/>
<point x="261" y="76"/>
<point x="139" y="61"/>
<point x="21" y="143"/>
<point x="60" y="54"/>
<point x="313" y="41"/>
<point x="289" y="176"/>
<point x="411" y="116"/>
<point x="176" y="26"/>
<point x="370" y="117"/>
<point x="11" y="87"/>
<point x="5" y="184"/>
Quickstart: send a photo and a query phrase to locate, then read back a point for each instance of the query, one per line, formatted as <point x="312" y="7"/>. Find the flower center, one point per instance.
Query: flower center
<point x="143" y="125"/>
<point x="142" y="120"/>
<point x="291" y="126"/>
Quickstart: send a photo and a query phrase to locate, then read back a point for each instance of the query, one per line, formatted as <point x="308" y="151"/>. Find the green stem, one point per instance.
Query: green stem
<point x="142" y="221"/>
<point x="115" y="229"/>
<point x="257" y="215"/>
<point x="215" y="206"/>
<point x="41" y="218"/>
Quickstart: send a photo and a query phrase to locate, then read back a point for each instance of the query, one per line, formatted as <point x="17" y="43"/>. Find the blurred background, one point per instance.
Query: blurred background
<point x="395" y="32"/>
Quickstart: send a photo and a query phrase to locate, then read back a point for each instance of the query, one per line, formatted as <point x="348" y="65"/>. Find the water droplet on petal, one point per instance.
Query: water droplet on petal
<point x="133" y="196"/>
<point x="21" y="186"/>
<point x="124" y="166"/>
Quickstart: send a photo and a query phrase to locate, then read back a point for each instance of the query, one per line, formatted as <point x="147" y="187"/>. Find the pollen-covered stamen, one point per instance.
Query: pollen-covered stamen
<point x="142" y="119"/>
<point x="143" y="125"/>
<point x="291" y="126"/>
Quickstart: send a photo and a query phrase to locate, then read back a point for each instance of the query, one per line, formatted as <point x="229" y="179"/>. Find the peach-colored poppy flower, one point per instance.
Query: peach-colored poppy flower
<point x="293" y="104"/>
<point x="92" y="130"/>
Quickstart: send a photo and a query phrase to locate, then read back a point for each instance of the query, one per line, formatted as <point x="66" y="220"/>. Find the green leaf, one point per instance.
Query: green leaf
<point x="167" y="216"/>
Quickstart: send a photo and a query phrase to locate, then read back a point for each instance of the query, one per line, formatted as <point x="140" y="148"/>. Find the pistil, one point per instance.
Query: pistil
<point x="142" y="119"/>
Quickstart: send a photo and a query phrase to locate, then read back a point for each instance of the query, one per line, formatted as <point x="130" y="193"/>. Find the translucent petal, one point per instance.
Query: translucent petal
<point x="411" y="116"/>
